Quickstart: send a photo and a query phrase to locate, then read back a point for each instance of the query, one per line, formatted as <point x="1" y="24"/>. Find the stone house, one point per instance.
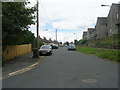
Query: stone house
<point x="101" y="28"/>
<point x="113" y="20"/>
<point x="91" y="33"/>
<point x="84" y="35"/>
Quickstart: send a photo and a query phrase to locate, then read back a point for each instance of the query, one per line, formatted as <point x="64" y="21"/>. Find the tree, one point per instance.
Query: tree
<point x="60" y="43"/>
<point x="16" y="18"/>
<point x="67" y="42"/>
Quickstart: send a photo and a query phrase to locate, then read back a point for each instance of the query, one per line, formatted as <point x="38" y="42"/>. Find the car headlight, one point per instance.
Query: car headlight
<point x="48" y="51"/>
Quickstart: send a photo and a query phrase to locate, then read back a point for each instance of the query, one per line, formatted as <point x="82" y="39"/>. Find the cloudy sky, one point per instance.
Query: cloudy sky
<point x="69" y="17"/>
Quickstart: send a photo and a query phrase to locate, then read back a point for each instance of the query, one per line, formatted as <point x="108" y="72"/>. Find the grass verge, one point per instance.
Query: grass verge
<point x="109" y="54"/>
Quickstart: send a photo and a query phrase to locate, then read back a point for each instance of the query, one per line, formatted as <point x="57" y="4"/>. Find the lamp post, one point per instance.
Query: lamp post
<point x="56" y="34"/>
<point x="74" y="38"/>
<point x="45" y="29"/>
<point x="110" y="27"/>
<point x="103" y="5"/>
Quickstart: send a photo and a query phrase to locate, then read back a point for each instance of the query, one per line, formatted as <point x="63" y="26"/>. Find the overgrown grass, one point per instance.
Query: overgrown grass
<point x="101" y="53"/>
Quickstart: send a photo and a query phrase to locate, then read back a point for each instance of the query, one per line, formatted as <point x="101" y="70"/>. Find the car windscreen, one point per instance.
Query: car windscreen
<point x="45" y="47"/>
<point x="71" y="45"/>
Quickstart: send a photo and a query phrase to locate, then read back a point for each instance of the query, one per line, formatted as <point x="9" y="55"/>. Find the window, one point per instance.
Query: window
<point x="110" y="30"/>
<point x="117" y="15"/>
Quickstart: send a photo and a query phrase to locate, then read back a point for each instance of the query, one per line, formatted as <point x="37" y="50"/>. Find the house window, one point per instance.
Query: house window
<point x="110" y="30"/>
<point x="117" y="16"/>
<point x="106" y="25"/>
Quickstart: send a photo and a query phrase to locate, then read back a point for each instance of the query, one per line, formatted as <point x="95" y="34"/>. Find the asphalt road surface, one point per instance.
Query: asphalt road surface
<point x="67" y="69"/>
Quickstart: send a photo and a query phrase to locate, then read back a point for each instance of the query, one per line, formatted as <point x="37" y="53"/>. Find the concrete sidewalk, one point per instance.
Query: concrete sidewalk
<point x="18" y="63"/>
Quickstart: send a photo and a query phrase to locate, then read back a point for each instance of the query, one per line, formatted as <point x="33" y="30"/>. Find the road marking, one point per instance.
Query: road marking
<point x="24" y="69"/>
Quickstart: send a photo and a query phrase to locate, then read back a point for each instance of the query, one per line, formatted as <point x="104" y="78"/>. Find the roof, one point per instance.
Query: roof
<point x="90" y="30"/>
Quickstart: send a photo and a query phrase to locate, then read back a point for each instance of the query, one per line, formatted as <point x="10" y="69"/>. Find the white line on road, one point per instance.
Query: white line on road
<point x="23" y="70"/>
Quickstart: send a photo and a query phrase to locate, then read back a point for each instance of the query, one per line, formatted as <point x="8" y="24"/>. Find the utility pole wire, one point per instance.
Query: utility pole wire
<point x="48" y="17"/>
<point x="45" y="11"/>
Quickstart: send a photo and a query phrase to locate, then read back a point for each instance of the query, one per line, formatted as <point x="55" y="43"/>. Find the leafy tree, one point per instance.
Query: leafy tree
<point x="16" y="18"/>
<point x="67" y="42"/>
<point x="61" y="43"/>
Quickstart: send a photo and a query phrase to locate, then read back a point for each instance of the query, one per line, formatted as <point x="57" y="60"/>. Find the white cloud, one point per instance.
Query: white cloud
<point x="76" y="15"/>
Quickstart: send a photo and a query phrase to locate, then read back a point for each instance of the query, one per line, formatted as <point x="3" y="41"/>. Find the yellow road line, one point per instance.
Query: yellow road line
<point x="23" y="70"/>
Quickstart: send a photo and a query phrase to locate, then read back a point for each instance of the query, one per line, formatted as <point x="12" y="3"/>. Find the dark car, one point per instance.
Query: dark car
<point x="45" y="50"/>
<point x="55" y="46"/>
<point x="71" y="47"/>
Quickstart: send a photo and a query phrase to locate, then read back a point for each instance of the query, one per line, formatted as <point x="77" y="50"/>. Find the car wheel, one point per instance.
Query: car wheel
<point x="51" y="53"/>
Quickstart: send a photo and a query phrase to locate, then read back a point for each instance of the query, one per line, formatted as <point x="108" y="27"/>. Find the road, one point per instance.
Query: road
<point x="67" y="69"/>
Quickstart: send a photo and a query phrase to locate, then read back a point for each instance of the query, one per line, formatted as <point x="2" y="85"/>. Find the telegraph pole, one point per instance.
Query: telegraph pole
<point x="56" y="34"/>
<point x="36" y="50"/>
<point x="37" y="29"/>
<point x="74" y="38"/>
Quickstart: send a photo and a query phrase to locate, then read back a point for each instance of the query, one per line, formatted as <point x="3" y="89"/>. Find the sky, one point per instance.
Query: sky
<point x="69" y="17"/>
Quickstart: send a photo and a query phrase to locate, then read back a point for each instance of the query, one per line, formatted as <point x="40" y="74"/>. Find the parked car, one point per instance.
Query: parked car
<point x="71" y="47"/>
<point x="45" y="50"/>
<point x="55" y="46"/>
<point x="65" y="45"/>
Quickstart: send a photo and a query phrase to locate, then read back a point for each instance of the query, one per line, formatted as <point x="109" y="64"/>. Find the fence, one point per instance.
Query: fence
<point x="13" y="51"/>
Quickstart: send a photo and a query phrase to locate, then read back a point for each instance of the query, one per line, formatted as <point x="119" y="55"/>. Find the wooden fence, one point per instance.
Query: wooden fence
<point x="13" y="51"/>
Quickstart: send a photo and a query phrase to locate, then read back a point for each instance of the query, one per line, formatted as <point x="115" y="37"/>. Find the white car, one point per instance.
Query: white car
<point x="71" y="47"/>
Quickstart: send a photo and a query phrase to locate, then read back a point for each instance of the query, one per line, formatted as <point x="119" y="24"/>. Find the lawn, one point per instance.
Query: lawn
<point x="101" y="53"/>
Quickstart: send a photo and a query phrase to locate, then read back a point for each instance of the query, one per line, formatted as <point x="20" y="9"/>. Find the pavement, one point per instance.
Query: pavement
<point x="19" y="64"/>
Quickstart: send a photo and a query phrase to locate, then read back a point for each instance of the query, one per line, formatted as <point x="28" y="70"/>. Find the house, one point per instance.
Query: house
<point x="101" y="28"/>
<point x="45" y="41"/>
<point x="85" y="35"/>
<point x="113" y="20"/>
<point x="50" y="41"/>
<point x="40" y="39"/>
<point x="55" y="42"/>
<point x="90" y="33"/>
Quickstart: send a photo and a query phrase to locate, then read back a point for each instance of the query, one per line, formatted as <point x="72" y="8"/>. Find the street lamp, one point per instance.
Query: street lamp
<point x="56" y="34"/>
<point x="110" y="27"/>
<point x="45" y="29"/>
<point x="103" y="5"/>
<point x="74" y="38"/>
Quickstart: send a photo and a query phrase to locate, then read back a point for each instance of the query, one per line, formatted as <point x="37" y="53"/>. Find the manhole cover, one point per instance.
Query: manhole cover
<point x="89" y="80"/>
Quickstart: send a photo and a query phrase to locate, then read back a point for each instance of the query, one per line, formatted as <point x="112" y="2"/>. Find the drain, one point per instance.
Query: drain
<point x="89" y="80"/>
